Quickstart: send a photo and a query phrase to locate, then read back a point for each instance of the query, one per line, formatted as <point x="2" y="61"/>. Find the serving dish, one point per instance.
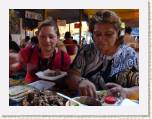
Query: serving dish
<point x="51" y="75"/>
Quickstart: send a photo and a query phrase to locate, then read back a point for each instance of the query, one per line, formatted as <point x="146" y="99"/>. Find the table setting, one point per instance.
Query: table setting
<point x="46" y="92"/>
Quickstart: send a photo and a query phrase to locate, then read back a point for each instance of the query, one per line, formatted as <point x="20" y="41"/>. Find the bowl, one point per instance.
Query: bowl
<point x="51" y="75"/>
<point x="86" y="100"/>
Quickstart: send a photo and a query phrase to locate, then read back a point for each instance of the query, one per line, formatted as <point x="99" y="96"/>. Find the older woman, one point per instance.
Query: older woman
<point x="44" y="56"/>
<point x="108" y="63"/>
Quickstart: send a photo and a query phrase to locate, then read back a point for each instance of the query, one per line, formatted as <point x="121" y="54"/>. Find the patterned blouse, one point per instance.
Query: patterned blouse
<point x="121" y="68"/>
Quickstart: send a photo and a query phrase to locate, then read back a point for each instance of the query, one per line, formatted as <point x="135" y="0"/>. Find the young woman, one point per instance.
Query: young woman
<point x="42" y="56"/>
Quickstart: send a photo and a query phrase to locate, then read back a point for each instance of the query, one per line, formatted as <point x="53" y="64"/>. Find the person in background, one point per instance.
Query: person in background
<point x="107" y="63"/>
<point x="34" y="40"/>
<point x="69" y="43"/>
<point x="43" y="56"/>
<point x="129" y="40"/>
<point x="84" y="42"/>
<point x="25" y="42"/>
<point x="13" y="46"/>
<point x="77" y="48"/>
<point x="13" y="50"/>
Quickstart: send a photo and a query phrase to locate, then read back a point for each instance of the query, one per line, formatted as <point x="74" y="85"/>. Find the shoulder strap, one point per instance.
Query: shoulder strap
<point x="94" y="72"/>
<point x="31" y="53"/>
<point x="62" y="58"/>
<point x="104" y="74"/>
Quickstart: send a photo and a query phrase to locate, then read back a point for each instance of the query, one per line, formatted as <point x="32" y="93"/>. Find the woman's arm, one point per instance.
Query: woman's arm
<point x="76" y="82"/>
<point x="132" y="93"/>
<point x="73" y="79"/>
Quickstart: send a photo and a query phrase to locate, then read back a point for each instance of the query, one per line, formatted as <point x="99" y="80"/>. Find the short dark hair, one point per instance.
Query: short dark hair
<point x="34" y="40"/>
<point x="67" y="35"/>
<point x="128" y="29"/>
<point x="49" y="22"/>
<point x="27" y="38"/>
<point x="105" y="16"/>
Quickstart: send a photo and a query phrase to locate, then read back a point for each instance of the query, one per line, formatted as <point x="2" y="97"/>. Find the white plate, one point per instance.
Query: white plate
<point x="83" y="100"/>
<point x="42" y="85"/>
<point x="42" y="75"/>
<point x="102" y="93"/>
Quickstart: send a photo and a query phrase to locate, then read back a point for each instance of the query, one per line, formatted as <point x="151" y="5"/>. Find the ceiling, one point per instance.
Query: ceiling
<point x="129" y="16"/>
<point x="70" y="15"/>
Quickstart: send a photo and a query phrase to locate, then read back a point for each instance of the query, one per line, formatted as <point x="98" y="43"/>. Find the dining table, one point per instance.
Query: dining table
<point x="55" y="86"/>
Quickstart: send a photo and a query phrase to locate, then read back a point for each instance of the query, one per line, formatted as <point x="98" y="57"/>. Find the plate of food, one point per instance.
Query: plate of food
<point x="104" y="98"/>
<point x="84" y="100"/>
<point x="51" y="75"/>
<point x="43" y="98"/>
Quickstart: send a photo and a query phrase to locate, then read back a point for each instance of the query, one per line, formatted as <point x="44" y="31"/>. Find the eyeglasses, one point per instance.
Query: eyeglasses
<point x="100" y="34"/>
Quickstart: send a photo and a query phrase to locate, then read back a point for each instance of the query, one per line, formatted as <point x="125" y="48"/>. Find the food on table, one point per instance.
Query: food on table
<point x="51" y="74"/>
<point x="110" y="99"/>
<point x="85" y="100"/>
<point x="14" y="82"/>
<point x="101" y="95"/>
<point x="106" y="98"/>
<point x="55" y="73"/>
<point x="43" y="98"/>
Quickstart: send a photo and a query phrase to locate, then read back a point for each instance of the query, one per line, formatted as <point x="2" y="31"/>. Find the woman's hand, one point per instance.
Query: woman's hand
<point x="87" y="88"/>
<point x="117" y="90"/>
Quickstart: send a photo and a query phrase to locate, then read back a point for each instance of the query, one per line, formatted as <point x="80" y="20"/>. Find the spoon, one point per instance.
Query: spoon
<point x="62" y="95"/>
